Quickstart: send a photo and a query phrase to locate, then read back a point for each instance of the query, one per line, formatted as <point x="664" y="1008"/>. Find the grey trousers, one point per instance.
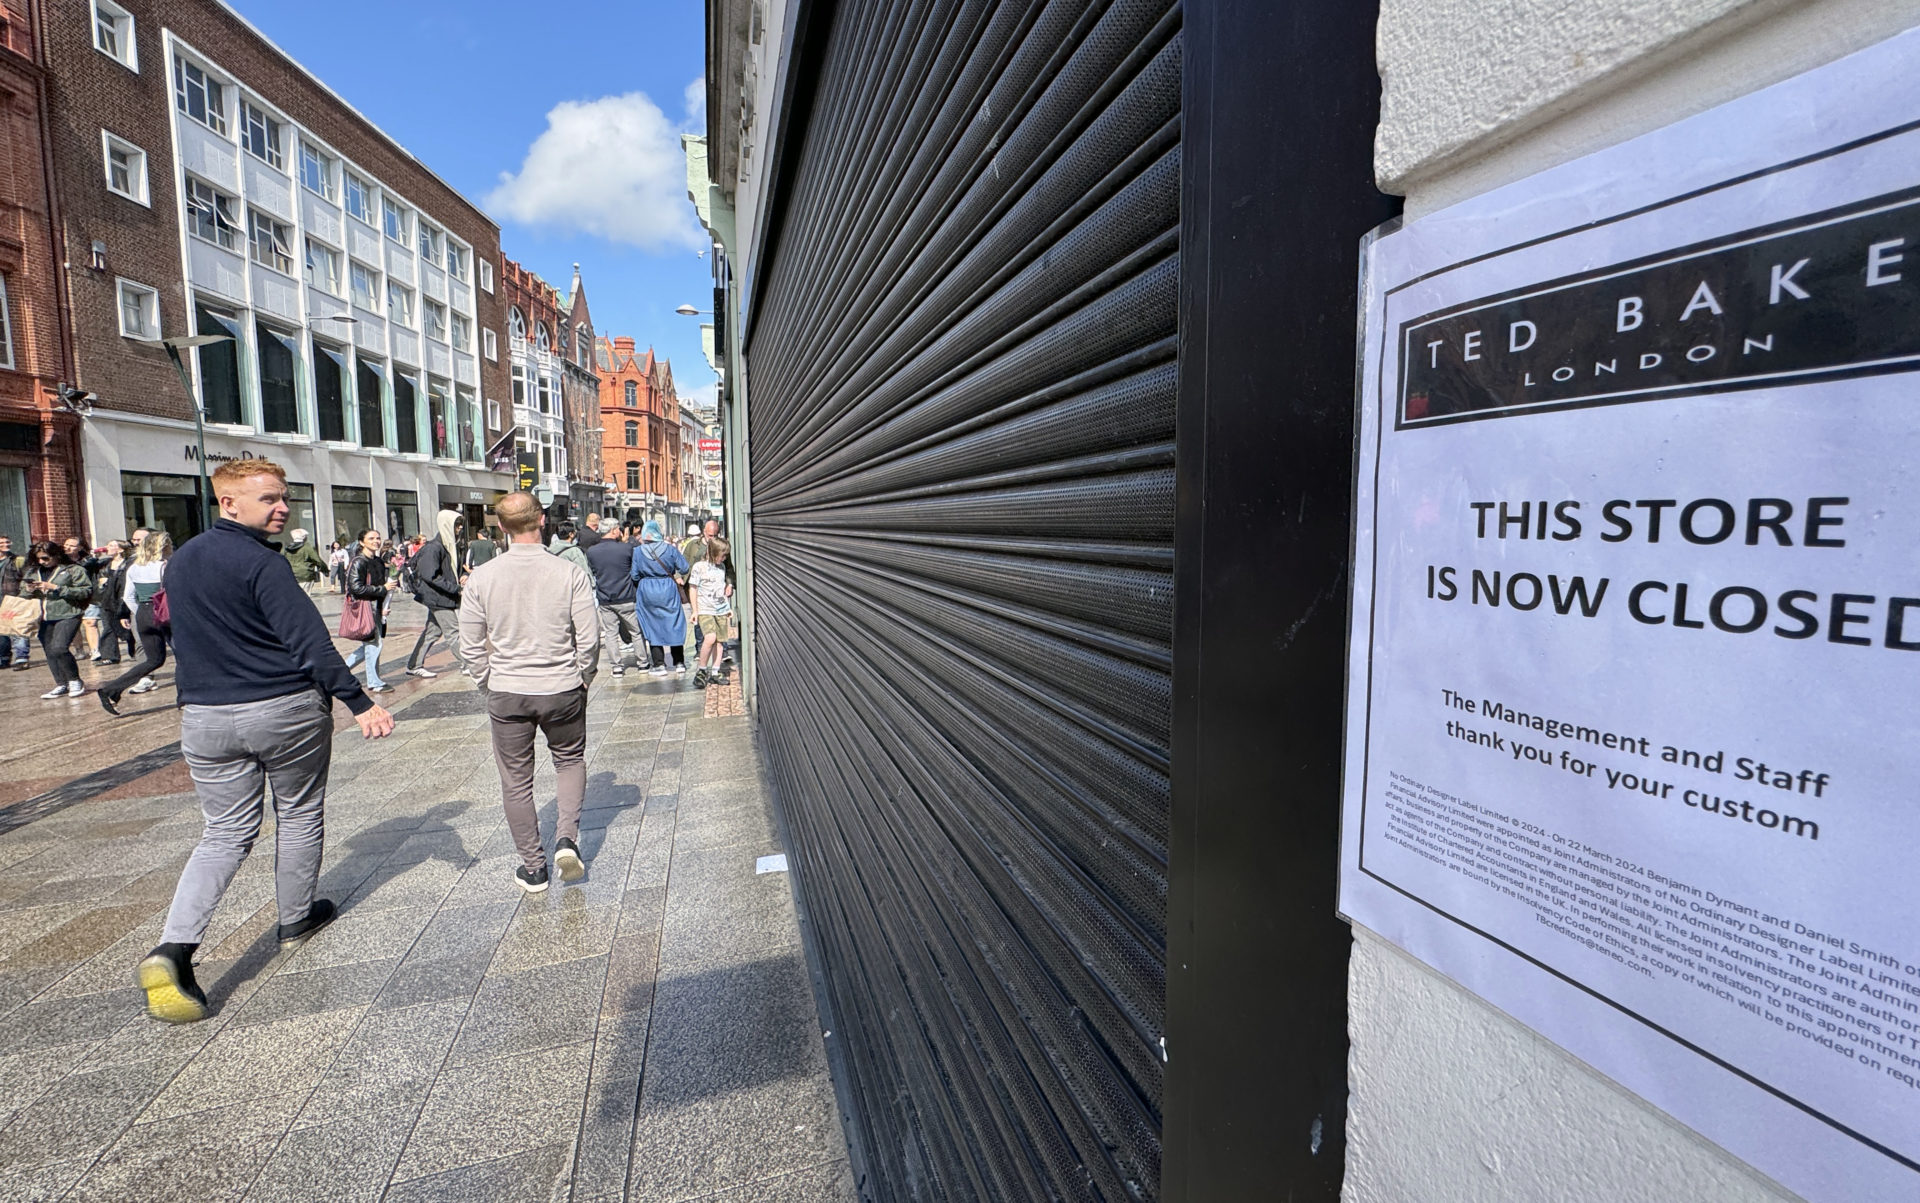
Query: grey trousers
<point x="562" y="718"/>
<point x="233" y="753"/>
<point x="440" y="624"/>
<point x="617" y="632"/>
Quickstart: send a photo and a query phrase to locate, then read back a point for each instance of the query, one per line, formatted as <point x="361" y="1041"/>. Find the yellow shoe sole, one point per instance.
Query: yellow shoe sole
<point x="166" y="1001"/>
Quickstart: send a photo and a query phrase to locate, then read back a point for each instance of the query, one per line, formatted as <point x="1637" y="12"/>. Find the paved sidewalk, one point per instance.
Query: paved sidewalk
<point x="648" y="1033"/>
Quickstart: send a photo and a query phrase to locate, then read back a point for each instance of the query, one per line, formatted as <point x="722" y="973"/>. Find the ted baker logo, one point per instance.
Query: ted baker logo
<point x="1820" y="298"/>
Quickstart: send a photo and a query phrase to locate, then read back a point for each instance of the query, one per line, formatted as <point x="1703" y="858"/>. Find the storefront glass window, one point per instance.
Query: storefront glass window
<point x="437" y="407"/>
<point x="406" y="414"/>
<point x="279" y="406"/>
<point x="161" y="502"/>
<point x="330" y="391"/>
<point x="301" y="517"/>
<point x="371" y="397"/>
<point x="403" y="513"/>
<point x="471" y="435"/>
<point x="219" y="366"/>
<point x="352" y="512"/>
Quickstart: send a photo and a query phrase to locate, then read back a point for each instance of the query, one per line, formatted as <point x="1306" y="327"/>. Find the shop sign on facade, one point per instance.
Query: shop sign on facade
<point x="1633" y="670"/>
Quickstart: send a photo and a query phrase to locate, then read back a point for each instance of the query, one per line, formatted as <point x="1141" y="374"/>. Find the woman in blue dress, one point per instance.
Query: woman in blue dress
<point x="656" y="564"/>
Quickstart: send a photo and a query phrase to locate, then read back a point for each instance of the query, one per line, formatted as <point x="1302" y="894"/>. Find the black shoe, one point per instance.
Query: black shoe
<point x="566" y="857"/>
<point x="166" y="974"/>
<point x="533" y="881"/>
<point x="109" y="702"/>
<point x="319" y="915"/>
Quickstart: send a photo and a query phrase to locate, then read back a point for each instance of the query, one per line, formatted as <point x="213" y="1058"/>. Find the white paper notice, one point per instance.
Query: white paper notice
<point x="1635" y="654"/>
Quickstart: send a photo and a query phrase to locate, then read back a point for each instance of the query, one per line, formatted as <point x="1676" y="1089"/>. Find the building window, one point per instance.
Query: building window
<point x="316" y="171"/>
<point x="113" y="34"/>
<point x="219" y="365"/>
<point x="633" y="392"/>
<point x="359" y="198"/>
<point x="352" y="512"/>
<point x="516" y="325"/>
<point x="323" y="268"/>
<point x="545" y="384"/>
<point x="396" y="219"/>
<point x="546" y="454"/>
<point x="200" y="96"/>
<point x="633" y="434"/>
<point x="490" y="344"/>
<point x="369" y="397"/>
<point x="429" y="243"/>
<point x="366" y="287"/>
<point x="486" y="276"/>
<point x="279" y="358"/>
<point x="434" y="315"/>
<point x="438" y="403"/>
<point x="139" y="311"/>
<point x="272" y="241"/>
<point x="126" y="168"/>
<point x="468" y="409"/>
<point x="406" y="414"/>
<point x="210" y="214"/>
<point x="456" y="260"/>
<point x="541" y="339"/>
<point x="583" y="346"/>
<point x="260" y="134"/>
<point x="519" y="384"/>
<point x="399" y="304"/>
<point x="462" y="333"/>
<point x="330" y="391"/>
<point x="493" y="415"/>
<point x="633" y="476"/>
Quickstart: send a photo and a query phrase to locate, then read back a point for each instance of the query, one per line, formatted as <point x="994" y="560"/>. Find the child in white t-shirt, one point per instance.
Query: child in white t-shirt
<point x="712" y="603"/>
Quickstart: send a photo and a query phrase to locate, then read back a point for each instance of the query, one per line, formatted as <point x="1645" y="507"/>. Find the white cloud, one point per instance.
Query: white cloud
<point x="704" y="397"/>
<point x="696" y="106"/>
<point x="611" y="167"/>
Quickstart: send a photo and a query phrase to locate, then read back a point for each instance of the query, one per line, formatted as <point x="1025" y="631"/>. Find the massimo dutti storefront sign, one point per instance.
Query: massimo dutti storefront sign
<point x="1634" y="655"/>
<point x="1821" y="297"/>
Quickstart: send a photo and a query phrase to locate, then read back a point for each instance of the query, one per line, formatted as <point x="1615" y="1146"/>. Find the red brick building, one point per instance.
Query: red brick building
<point x="39" y="435"/>
<point x="207" y="183"/>
<point x="640" y="434"/>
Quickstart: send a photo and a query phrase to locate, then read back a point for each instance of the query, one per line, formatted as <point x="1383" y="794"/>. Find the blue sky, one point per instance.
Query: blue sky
<point x="560" y="119"/>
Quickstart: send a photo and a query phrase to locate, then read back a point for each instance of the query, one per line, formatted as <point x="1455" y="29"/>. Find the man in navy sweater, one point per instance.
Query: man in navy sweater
<point x="257" y="678"/>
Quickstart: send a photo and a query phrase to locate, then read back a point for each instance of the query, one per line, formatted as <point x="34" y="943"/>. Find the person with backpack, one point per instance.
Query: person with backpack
<point x="436" y="585"/>
<point x="143" y="579"/>
<point x="658" y="567"/>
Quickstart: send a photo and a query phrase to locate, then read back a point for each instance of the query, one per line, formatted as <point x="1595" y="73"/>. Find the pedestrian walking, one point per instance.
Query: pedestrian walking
<point x="590" y="532"/>
<point x="482" y="549"/>
<point x="530" y="630"/>
<point x="109" y="583"/>
<point x="308" y="567"/>
<point x="20" y="615"/>
<point x="258" y="676"/>
<point x="436" y="585"/>
<point x="64" y="591"/>
<point x="712" y="609"/>
<point x="566" y="548"/>
<point x="144" y="576"/>
<point x="367" y="581"/>
<point x="659" y="568"/>
<point x="610" y="562"/>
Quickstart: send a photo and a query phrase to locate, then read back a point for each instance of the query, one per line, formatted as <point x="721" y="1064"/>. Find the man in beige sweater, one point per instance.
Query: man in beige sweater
<point x="530" y="632"/>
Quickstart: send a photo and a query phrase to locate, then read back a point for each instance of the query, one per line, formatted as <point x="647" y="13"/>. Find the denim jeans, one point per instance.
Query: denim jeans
<point x="16" y="649"/>
<point x="369" y="652"/>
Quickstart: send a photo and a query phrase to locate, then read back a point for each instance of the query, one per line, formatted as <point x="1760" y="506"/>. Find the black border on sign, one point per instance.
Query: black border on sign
<point x="1366" y="759"/>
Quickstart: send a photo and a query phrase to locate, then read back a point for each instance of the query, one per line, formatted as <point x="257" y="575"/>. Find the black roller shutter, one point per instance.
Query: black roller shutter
<point x="961" y="373"/>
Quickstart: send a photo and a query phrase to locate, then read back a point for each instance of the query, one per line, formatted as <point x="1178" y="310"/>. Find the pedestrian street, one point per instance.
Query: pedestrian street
<point x="648" y="1033"/>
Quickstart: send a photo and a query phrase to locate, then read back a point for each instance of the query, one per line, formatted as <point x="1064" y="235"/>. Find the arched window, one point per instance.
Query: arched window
<point x="516" y="325"/>
<point x="633" y="476"/>
<point x="633" y="434"/>
<point x="541" y="339"/>
<point x="633" y="393"/>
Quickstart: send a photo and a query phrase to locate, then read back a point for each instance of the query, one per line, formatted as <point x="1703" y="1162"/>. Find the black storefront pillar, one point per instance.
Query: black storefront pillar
<point x="1280" y="103"/>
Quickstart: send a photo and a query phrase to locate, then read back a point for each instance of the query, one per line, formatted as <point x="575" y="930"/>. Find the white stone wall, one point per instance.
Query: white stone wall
<point x="1452" y="1101"/>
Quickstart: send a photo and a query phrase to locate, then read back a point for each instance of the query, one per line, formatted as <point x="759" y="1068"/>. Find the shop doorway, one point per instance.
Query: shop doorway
<point x="161" y="501"/>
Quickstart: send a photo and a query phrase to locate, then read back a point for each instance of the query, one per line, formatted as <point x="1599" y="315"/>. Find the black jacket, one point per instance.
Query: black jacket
<point x="436" y="583"/>
<point x="110" y="587"/>
<point x="244" y="629"/>
<point x="367" y="580"/>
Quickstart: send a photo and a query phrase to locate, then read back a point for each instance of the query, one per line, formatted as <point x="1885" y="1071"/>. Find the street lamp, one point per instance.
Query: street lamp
<point x="173" y="347"/>
<point x="690" y="311"/>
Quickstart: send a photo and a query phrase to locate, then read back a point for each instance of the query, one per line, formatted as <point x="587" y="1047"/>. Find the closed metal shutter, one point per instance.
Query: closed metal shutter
<point x="961" y="377"/>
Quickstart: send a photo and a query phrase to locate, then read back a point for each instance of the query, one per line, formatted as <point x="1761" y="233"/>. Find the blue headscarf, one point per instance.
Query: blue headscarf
<point x="651" y="533"/>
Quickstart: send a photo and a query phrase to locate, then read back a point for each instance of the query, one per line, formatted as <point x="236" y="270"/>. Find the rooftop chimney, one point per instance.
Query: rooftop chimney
<point x="623" y="343"/>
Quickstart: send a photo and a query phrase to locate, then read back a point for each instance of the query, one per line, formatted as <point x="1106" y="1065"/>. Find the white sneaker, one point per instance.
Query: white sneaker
<point x="75" y="689"/>
<point x="680" y="670"/>
<point x="144" y="685"/>
<point x="58" y="691"/>
<point x="423" y="673"/>
<point x="95" y="656"/>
